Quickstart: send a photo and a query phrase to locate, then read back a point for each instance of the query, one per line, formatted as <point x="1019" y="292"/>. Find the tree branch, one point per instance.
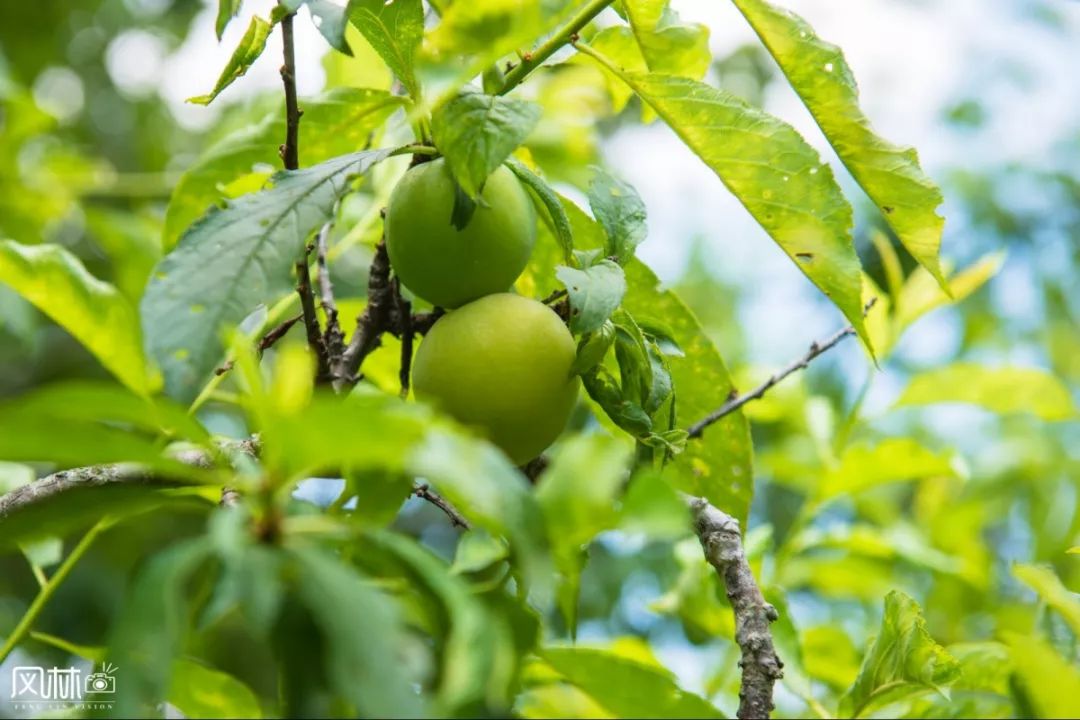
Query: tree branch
<point x="311" y="319"/>
<point x="333" y="338"/>
<point x="424" y="492"/>
<point x="562" y="36"/>
<point x="119" y="473"/>
<point x="372" y="322"/>
<point x="290" y="151"/>
<point x="761" y="667"/>
<point x="737" y="401"/>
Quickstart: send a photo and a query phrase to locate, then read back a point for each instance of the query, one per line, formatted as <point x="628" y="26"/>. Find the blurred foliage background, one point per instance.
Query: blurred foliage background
<point x="94" y="135"/>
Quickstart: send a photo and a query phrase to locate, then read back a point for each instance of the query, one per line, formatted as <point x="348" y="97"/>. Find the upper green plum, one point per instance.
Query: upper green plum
<point x="501" y="364"/>
<point x="446" y="266"/>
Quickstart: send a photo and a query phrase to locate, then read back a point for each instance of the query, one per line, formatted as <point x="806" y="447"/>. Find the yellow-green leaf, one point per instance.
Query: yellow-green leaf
<point x="863" y="466"/>
<point x="94" y="312"/>
<point x="773" y="172"/>
<point x="1003" y="390"/>
<point x="902" y="660"/>
<point x="889" y="174"/>
<point x="668" y="45"/>
<point x="1050" y="683"/>
<point x="1044" y="582"/>
<point x="246" y="53"/>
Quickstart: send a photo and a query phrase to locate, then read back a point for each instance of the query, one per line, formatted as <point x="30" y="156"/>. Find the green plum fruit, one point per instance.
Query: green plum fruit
<point x="501" y="364"/>
<point x="446" y="266"/>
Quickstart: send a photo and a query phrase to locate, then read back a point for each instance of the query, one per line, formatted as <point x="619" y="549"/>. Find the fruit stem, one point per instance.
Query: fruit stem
<point x="533" y="60"/>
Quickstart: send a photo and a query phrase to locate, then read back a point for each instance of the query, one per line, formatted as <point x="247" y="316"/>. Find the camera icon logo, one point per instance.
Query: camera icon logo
<point x="102" y="682"/>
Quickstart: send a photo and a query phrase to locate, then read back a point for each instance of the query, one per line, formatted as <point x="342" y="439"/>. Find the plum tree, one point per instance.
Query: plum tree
<point x="447" y="265"/>
<point x="501" y="364"/>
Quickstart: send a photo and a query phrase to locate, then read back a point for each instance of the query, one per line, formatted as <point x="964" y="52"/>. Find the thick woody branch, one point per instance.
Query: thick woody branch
<point x="761" y="667"/>
<point x="373" y="321"/>
<point x="386" y="311"/>
<point x="737" y="401"/>
<point x="61" y="482"/>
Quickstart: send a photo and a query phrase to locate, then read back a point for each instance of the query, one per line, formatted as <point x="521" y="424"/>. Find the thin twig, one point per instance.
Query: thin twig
<point x="566" y="34"/>
<point x="737" y="401"/>
<point x="311" y="319"/>
<point x="267" y="341"/>
<point x="333" y="338"/>
<point x="424" y="492"/>
<point x="761" y="666"/>
<point x="403" y="317"/>
<point x="290" y="151"/>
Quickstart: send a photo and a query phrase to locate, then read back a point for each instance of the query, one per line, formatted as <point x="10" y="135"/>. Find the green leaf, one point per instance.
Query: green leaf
<point x="902" y="660"/>
<point x="1050" y="589"/>
<point x="247" y="52"/>
<point x="477" y="132"/>
<point x="360" y="432"/>
<point x="618" y="44"/>
<point x="1003" y="390"/>
<point x="893" y="460"/>
<point x="363" y="634"/>
<point x="201" y="691"/>
<point x="668" y="45"/>
<point x="472" y="36"/>
<point x="774" y="173"/>
<point x="132" y="241"/>
<point x="601" y="386"/>
<point x="473" y="642"/>
<point x="232" y="261"/>
<point x="578" y="494"/>
<point x="227" y="10"/>
<point x="332" y="20"/>
<point x="593" y="347"/>
<point x="89" y="401"/>
<point x="626" y="686"/>
<point x="334" y="123"/>
<point x="147" y="636"/>
<point x="94" y="312"/>
<point x="720" y="467"/>
<point x="889" y="174"/>
<point x="395" y="30"/>
<point x="479" y="480"/>
<point x="619" y="210"/>
<point x="1050" y="683"/>
<point x="595" y="293"/>
<point x="829" y="655"/>
<point x="547" y="200"/>
<point x="921" y="293"/>
<point x="652" y="507"/>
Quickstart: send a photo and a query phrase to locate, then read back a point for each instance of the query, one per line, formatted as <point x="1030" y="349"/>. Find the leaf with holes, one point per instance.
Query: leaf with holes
<point x="232" y="261"/>
<point x="595" y="293"/>
<point x="619" y="210"/>
<point x="777" y="176"/>
<point x="889" y="174"/>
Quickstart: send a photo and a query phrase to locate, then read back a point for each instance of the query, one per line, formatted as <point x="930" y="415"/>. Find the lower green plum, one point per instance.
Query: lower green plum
<point x="501" y="364"/>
